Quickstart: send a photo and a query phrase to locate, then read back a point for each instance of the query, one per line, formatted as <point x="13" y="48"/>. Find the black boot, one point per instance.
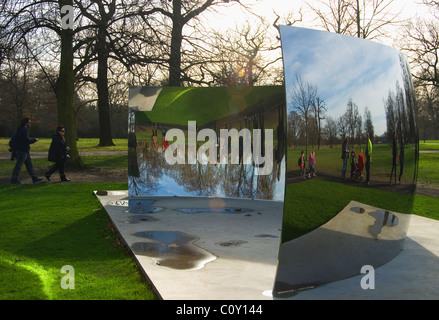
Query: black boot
<point x="64" y="179"/>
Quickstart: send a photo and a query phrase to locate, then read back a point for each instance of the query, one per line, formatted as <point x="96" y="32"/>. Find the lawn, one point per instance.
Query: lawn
<point x="45" y="227"/>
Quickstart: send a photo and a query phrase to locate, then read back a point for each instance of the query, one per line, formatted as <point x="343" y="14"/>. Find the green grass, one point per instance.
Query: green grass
<point x="45" y="227"/>
<point x="119" y="162"/>
<point x="429" y="169"/>
<point x="175" y="104"/>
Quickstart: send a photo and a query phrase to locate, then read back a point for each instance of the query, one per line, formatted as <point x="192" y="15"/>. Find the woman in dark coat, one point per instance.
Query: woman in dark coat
<point x="58" y="154"/>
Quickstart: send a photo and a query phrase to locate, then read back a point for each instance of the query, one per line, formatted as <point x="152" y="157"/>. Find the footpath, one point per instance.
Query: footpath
<point x="79" y="176"/>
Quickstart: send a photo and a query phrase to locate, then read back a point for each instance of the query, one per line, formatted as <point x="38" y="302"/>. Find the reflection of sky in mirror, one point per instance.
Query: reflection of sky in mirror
<point x="342" y="67"/>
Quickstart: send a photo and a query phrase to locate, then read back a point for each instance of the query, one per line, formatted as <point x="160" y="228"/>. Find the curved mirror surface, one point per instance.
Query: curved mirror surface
<point x="352" y="151"/>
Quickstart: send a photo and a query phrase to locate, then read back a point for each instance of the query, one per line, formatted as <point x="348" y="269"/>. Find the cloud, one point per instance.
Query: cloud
<point x="342" y="67"/>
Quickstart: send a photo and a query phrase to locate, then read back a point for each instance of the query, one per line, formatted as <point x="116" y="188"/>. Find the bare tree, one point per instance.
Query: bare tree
<point x="365" y="19"/>
<point x="319" y="109"/>
<point x="302" y="97"/>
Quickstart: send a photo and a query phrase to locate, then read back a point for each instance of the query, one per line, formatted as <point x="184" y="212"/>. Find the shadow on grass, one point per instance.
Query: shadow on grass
<point x="102" y="268"/>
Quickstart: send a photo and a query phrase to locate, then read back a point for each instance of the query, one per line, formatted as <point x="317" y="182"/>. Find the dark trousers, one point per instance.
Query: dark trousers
<point x="59" y="165"/>
<point x="391" y="173"/>
<point x="367" y="169"/>
<point x="401" y="166"/>
<point x="23" y="158"/>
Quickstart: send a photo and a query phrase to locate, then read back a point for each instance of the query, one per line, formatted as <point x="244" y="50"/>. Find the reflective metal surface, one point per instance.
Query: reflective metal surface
<point x="215" y="156"/>
<point x="201" y="172"/>
<point x="341" y="90"/>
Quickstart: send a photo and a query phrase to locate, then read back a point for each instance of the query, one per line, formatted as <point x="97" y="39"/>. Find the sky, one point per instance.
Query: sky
<point x="342" y="68"/>
<point x="372" y="67"/>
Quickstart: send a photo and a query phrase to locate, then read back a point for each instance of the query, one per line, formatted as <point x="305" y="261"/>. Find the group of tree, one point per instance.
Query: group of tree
<point x="109" y="45"/>
<point x="310" y="125"/>
<point x="69" y="73"/>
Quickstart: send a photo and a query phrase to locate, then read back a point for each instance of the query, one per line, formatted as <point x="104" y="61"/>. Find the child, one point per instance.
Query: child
<point x="311" y="163"/>
<point x="301" y="163"/>
<point x="360" y="163"/>
<point x="353" y="161"/>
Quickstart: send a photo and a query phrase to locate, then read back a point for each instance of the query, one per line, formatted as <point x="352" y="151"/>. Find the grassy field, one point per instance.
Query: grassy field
<point x="45" y="227"/>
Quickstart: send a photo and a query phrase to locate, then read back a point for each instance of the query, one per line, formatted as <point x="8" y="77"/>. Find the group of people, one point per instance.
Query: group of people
<point x="311" y="164"/>
<point x="357" y="164"/>
<point x="58" y="153"/>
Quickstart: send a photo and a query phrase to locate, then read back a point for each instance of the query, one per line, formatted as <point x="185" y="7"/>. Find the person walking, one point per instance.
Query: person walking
<point x="311" y="164"/>
<point x="353" y="161"/>
<point x="301" y="164"/>
<point x="394" y="157"/>
<point x="58" y="154"/>
<point x="401" y="158"/>
<point x="344" y="156"/>
<point x="368" y="158"/>
<point x="22" y="152"/>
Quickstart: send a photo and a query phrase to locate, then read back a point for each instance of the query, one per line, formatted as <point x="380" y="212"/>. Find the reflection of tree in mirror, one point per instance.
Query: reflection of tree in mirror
<point x="316" y="119"/>
<point x="229" y="180"/>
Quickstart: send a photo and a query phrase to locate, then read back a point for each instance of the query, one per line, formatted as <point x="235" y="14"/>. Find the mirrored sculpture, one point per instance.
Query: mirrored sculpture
<point x="352" y="154"/>
<point x="207" y="173"/>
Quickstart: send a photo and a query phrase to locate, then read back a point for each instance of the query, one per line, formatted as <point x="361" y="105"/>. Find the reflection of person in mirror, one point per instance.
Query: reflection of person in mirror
<point x="58" y="154"/>
<point x="353" y="160"/>
<point x="154" y="140"/>
<point x="344" y="156"/>
<point x="368" y="157"/>
<point x="301" y="163"/>
<point x="165" y="143"/>
<point x="394" y="157"/>
<point x="360" y="163"/>
<point x="401" y="157"/>
<point x="311" y="164"/>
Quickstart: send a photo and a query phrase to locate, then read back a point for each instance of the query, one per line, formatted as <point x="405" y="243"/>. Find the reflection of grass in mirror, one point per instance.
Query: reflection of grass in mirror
<point x="328" y="160"/>
<point x="311" y="203"/>
<point x="179" y="105"/>
<point x="45" y="227"/>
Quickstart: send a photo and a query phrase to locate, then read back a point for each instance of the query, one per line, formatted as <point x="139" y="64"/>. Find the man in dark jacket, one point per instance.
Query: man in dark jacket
<point x="22" y="149"/>
<point x="58" y="154"/>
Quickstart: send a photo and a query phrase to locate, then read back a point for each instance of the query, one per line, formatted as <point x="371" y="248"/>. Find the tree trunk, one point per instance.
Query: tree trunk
<point x="176" y="40"/>
<point x="65" y="92"/>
